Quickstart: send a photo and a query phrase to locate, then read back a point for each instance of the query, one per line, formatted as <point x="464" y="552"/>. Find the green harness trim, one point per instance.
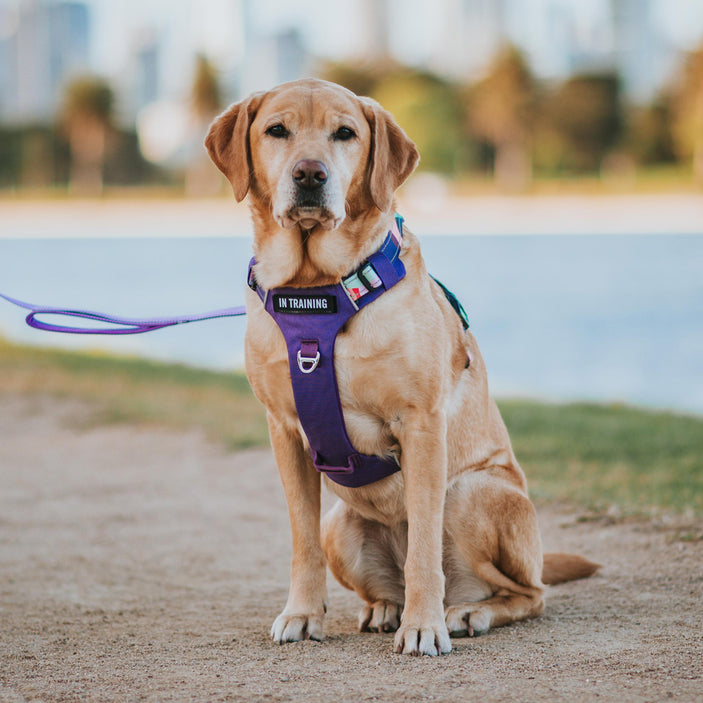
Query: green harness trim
<point x="454" y="302"/>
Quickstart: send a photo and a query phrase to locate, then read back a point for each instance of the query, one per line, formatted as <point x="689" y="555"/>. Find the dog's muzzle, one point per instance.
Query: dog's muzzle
<point x="309" y="177"/>
<point x="312" y="197"/>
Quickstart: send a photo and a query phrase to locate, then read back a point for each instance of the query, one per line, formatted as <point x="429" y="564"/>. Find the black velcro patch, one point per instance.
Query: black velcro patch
<point x="299" y="304"/>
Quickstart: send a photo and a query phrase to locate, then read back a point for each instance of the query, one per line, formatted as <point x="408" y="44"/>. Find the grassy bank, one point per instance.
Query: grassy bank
<point x="609" y="457"/>
<point x="125" y="390"/>
<point x="598" y="457"/>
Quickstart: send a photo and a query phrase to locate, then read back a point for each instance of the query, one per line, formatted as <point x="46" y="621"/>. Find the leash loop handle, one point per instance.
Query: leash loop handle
<point x="116" y="325"/>
<point x="119" y="326"/>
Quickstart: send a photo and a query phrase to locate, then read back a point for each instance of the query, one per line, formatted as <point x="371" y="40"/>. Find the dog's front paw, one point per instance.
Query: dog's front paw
<point x="468" y="620"/>
<point x="418" y="638"/>
<point x="293" y="627"/>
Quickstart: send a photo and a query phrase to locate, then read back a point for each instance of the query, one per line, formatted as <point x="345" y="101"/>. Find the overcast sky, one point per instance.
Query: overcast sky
<point x="330" y="28"/>
<point x="333" y="28"/>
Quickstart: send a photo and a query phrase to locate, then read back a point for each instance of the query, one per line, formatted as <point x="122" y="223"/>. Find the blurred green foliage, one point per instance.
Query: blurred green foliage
<point x="83" y="145"/>
<point x="39" y="157"/>
<point x="507" y="124"/>
<point x="648" y="137"/>
<point x="205" y="94"/>
<point x="431" y="110"/>
<point x="583" y="119"/>
<point x="686" y="98"/>
<point x="510" y="125"/>
<point x="501" y="111"/>
<point x="88" y="97"/>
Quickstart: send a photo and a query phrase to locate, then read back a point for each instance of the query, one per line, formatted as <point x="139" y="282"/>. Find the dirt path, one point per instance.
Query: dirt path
<point x="137" y="565"/>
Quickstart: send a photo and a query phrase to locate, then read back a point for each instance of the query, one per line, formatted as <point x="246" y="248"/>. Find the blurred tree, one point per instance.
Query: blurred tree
<point x="430" y="110"/>
<point x="201" y="178"/>
<point x="125" y="165"/>
<point x="206" y="100"/>
<point x="687" y="113"/>
<point x="87" y="118"/>
<point x="501" y="113"/>
<point x="648" y="136"/>
<point x="584" y="114"/>
<point x="27" y="156"/>
<point x="10" y="156"/>
<point x="37" y="165"/>
<point x="360" y="78"/>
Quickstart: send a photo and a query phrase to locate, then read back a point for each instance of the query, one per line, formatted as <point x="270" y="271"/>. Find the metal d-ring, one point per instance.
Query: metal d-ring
<point x="313" y="360"/>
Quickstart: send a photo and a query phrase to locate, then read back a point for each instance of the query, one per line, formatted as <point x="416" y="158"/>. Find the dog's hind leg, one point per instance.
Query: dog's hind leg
<point x="367" y="557"/>
<point x="493" y="555"/>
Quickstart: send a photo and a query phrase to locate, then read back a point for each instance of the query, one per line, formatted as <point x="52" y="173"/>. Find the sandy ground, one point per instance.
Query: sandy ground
<point x="141" y="565"/>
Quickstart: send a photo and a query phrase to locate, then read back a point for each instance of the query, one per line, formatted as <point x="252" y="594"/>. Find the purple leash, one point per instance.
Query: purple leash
<point x="122" y="325"/>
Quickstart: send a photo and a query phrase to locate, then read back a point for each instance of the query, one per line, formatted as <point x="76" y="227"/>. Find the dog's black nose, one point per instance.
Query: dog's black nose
<point x="310" y="174"/>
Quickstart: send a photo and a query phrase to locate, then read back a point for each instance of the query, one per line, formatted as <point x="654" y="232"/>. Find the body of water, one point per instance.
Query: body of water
<point x="606" y="318"/>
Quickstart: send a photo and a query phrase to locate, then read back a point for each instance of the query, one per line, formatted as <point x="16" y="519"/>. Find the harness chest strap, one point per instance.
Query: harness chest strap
<point x="310" y="319"/>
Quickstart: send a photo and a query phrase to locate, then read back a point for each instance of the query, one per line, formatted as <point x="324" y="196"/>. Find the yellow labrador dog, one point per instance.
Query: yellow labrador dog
<point x="448" y="544"/>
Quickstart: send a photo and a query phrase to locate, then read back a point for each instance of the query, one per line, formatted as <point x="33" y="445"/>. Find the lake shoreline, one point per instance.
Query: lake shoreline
<point x="426" y="216"/>
<point x="613" y="318"/>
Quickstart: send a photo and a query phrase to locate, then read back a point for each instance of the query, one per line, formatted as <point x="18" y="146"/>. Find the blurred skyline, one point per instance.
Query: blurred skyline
<point x="557" y="35"/>
<point x="146" y="48"/>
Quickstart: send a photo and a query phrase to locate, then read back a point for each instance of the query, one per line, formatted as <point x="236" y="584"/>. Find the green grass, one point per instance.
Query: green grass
<point x="609" y="456"/>
<point x="125" y="390"/>
<point x="599" y="457"/>
<point x="649" y="180"/>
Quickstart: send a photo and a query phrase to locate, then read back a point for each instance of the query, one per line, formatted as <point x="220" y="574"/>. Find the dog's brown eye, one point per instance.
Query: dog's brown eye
<point x="278" y="131"/>
<point x="344" y="134"/>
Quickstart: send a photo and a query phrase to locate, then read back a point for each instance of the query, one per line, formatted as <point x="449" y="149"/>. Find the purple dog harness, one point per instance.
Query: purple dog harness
<point x="310" y="319"/>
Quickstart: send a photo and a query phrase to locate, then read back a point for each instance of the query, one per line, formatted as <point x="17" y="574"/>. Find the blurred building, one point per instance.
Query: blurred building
<point x="146" y="69"/>
<point x="148" y="55"/>
<point x="473" y="32"/>
<point x="269" y="58"/>
<point x="43" y="44"/>
<point x="559" y="38"/>
<point x="640" y="52"/>
<point x="374" y="43"/>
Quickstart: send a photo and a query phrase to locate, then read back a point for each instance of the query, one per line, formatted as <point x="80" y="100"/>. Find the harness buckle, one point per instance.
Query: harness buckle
<point x="308" y="357"/>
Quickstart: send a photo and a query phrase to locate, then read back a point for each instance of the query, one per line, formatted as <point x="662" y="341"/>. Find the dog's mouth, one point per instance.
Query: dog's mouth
<point x="309" y="216"/>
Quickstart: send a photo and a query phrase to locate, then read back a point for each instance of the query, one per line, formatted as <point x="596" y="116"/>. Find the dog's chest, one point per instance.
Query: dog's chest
<point x="365" y="386"/>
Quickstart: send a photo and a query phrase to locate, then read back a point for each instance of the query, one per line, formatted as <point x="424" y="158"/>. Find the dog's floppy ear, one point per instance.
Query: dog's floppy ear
<point x="228" y="143"/>
<point x="393" y="155"/>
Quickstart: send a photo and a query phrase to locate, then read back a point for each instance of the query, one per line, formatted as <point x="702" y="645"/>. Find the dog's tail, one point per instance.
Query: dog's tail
<point x="559" y="568"/>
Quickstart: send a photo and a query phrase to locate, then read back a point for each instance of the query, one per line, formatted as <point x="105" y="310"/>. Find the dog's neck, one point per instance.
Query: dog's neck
<point x="298" y="258"/>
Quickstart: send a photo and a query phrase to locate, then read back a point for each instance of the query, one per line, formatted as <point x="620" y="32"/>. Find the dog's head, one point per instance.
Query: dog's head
<point x="311" y="155"/>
